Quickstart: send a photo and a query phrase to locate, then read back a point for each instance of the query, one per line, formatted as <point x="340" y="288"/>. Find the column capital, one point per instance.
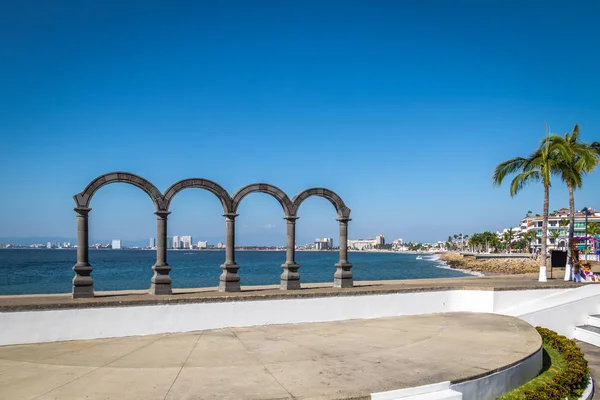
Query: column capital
<point x="82" y="210"/>
<point x="162" y="213"/>
<point x="343" y="219"/>
<point x="290" y="218"/>
<point x="230" y="215"/>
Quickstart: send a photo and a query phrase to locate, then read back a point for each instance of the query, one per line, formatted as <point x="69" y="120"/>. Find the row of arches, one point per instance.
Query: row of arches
<point x="229" y="280"/>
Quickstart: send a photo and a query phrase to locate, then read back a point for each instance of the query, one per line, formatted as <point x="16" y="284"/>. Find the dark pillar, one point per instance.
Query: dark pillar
<point x="343" y="276"/>
<point x="161" y="281"/>
<point x="83" y="284"/>
<point x="290" y="278"/>
<point x="229" y="279"/>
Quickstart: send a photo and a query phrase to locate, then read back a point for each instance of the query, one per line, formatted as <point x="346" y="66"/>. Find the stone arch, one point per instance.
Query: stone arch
<point x="338" y="203"/>
<point x="83" y="199"/>
<point x="199" y="183"/>
<point x="274" y="191"/>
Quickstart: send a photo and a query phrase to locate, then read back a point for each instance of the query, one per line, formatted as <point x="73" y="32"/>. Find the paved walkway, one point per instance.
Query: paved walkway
<point x="334" y="360"/>
<point x="592" y="355"/>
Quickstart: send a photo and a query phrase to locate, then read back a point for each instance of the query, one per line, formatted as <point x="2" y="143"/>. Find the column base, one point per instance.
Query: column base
<point x="290" y="278"/>
<point x="542" y="276"/>
<point x="83" y="284"/>
<point x="83" y="292"/>
<point x="160" y="289"/>
<point x="160" y="284"/>
<point x="229" y="281"/>
<point x="343" y="276"/>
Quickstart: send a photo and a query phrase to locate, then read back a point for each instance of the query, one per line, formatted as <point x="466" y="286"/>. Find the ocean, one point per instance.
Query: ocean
<point x="32" y="271"/>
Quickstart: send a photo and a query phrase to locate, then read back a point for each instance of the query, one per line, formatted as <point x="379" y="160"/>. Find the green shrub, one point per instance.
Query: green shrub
<point x="568" y="381"/>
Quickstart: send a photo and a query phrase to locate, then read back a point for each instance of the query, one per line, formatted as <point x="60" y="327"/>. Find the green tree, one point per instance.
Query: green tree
<point x="554" y="234"/>
<point x="594" y="228"/>
<point x="538" y="167"/>
<point x="575" y="159"/>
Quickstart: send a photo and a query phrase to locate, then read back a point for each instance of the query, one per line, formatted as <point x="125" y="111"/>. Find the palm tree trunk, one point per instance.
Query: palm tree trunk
<point x="545" y="226"/>
<point x="571" y="225"/>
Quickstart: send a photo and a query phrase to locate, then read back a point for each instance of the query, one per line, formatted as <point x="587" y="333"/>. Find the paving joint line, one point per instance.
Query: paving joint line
<point x="96" y="369"/>
<point x="261" y="363"/>
<point x="183" y="365"/>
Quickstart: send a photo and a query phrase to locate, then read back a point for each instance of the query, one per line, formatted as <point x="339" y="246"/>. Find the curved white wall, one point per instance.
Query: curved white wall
<point x="559" y="310"/>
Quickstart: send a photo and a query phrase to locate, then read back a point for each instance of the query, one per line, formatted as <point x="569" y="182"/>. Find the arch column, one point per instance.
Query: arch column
<point x="229" y="279"/>
<point x="161" y="281"/>
<point x="290" y="278"/>
<point x="83" y="284"/>
<point x="343" y="276"/>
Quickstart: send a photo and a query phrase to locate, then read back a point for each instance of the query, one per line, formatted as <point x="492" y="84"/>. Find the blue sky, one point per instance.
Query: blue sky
<point x="403" y="108"/>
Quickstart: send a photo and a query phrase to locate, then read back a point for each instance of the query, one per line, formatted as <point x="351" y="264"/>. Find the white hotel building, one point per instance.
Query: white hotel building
<point x="365" y="244"/>
<point x="554" y="225"/>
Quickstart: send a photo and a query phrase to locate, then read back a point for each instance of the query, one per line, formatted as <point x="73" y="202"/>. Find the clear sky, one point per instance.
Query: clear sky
<point x="401" y="107"/>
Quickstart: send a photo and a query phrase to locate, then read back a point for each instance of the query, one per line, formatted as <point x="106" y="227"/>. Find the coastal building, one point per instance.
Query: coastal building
<point x="558" y="228"/>
<point x="398" y="244"/>
<point x="152" y="243"/>
<point x="169" y="242"/>
<point x="202" y="244"/>
<point x="379" y="240"/>
<point x="116" y="244"/>
<point x="323" y="243"/>
<point x="49" y="245"/>
<point x="361" y="244"/>
<point x="186" y="242"/>
<point x="182" y="242"/>
<point x="220" y="245"/>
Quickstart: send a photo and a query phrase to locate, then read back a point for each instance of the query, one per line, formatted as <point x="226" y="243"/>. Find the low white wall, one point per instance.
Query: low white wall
<point x="559" y="311"/>
<point x="497" y="384"/>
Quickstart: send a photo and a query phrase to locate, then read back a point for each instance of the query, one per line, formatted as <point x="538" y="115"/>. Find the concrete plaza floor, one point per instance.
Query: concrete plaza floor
<point x="333" y="360"/>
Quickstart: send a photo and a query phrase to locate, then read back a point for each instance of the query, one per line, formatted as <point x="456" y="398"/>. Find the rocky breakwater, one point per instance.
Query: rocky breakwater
<point x="502" y="266"/>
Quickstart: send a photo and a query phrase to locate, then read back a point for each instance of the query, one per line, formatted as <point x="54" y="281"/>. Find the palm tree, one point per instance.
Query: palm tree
<point x="530" y="236"/>
<point x="539" y="166"/>
<point x="554" y="234"/>
<point x="529" y="213"/>
<point x="593" y="228"/>
<point x="578" y="160"/>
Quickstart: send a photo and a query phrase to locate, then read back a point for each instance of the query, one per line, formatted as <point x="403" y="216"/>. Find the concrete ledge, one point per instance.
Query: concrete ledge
<point x="272" y="292"/>
<point x="492" y="385"/>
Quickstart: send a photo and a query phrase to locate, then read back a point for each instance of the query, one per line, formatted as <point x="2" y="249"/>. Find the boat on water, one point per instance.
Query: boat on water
<point x="419" y="258"/>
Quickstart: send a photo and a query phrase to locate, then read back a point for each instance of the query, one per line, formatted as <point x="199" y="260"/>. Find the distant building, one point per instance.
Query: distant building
<point x="220" y="245"/>
<point x="323" y="244"/>
<point x="186" y="242"/>
<point x="398" y="244"/>
<point x="152" y="243"/>
<point x="379" y="240"/>
<point x="176" y="242"/>
<point x="116" y="244"/>
<point x="202" y="245"/>
<point x="169" y="242"/>
<point x="361" y="244"/>
<point x="49" y="245"/>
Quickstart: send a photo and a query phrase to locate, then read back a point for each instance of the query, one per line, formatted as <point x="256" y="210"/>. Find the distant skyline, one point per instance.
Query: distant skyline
<point x="402" y="108"/>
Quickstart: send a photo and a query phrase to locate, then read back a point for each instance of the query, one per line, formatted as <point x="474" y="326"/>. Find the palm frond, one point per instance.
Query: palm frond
<point x="507" y="168"/>
<point x="523" y="179"/>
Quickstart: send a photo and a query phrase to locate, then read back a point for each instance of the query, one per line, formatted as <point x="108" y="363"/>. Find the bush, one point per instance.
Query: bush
<point x="569" y="381"/>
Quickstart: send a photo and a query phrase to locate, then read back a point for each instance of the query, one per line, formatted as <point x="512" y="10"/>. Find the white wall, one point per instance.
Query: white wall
<point x="557" y="309"/>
